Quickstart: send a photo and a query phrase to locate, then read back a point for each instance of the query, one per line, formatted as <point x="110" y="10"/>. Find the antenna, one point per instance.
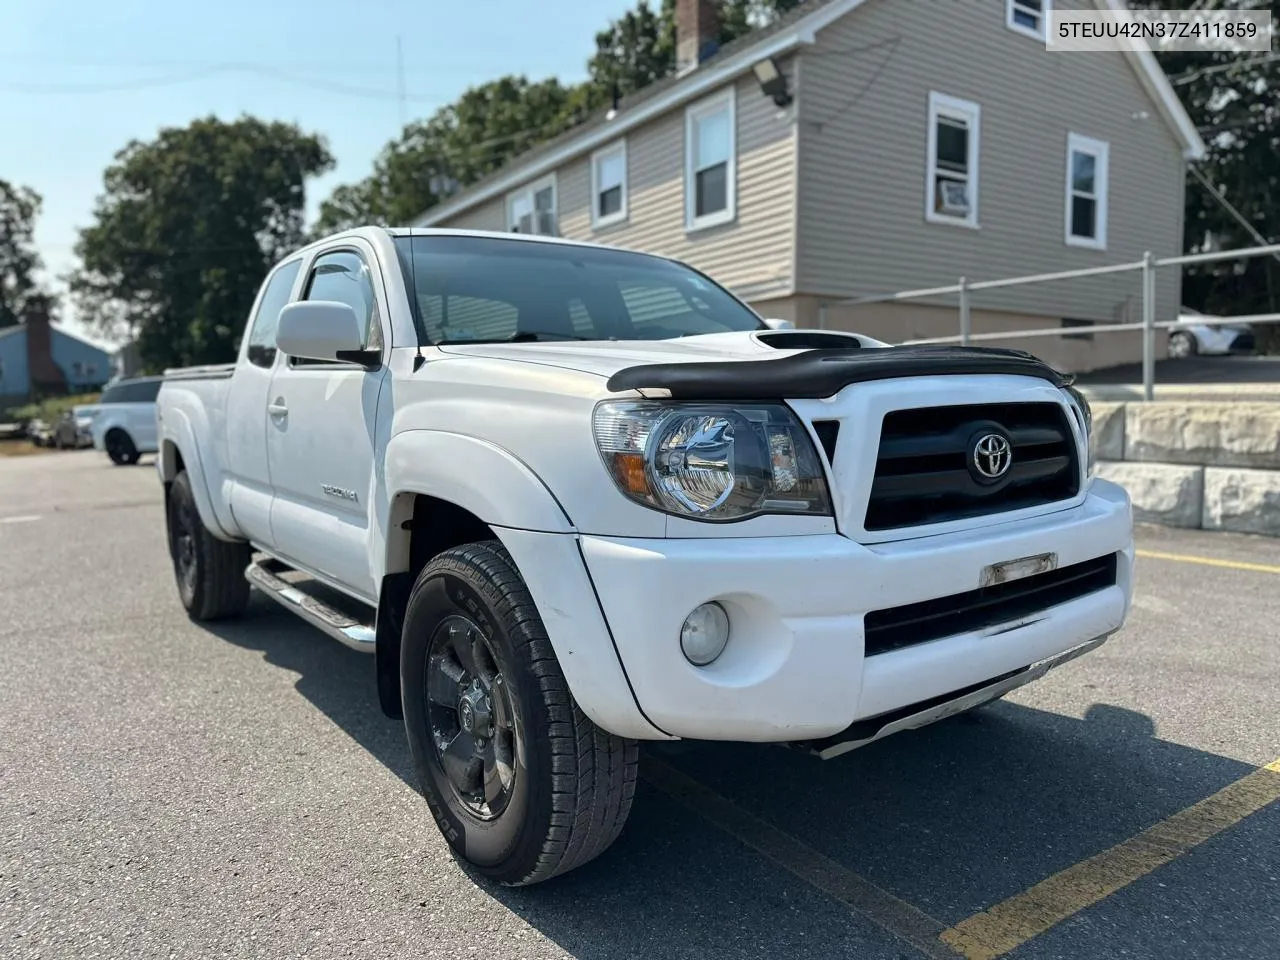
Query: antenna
<point x="400" y="94"/>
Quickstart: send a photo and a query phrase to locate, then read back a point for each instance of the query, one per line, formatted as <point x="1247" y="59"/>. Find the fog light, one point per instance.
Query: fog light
<point x="704" y="634"/>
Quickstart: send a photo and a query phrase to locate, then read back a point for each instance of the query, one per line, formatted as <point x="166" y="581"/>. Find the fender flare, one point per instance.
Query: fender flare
<point x="479" y="476"/>
<point x="181" y="435"/>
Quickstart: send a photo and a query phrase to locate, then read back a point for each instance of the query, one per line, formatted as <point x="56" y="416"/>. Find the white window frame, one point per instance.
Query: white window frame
<point x="1042" y="34"/>
<point x="726" y="99"/>
<point x="942" y="105"/>
<point x="604" y="153"/>
<point x="1100" y="150"/>
<point x="528" y="191"/>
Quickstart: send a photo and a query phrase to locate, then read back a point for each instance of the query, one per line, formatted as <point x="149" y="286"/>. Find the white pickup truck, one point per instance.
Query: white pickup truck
<point x="572" y="497"/>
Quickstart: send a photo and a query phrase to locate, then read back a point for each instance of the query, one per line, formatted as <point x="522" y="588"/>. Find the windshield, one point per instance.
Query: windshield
<point x="470" y="289"/>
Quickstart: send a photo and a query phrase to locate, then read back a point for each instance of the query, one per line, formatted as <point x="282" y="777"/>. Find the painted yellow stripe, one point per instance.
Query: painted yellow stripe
<point x="819" y="871"/>
<point x="1209" y="561"/>
<point x="1008" y="925"/>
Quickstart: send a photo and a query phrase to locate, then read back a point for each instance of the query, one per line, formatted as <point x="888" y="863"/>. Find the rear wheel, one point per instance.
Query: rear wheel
<point x="120" y="448"/>
<point x="209" y="571"/>
<point x="1181" y="344"/>
<point x="522" y="784"/>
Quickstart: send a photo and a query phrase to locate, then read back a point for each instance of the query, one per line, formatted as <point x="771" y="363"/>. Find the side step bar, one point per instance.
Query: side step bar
<point x="862" y="732"/>
<point x="348" y="632"/>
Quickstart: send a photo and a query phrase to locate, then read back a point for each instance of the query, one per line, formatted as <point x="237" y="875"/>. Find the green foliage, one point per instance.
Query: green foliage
<point x="1234" y="99"/>
<point x="491" y="124"/>
<point x="51" y="408"/>
<point x="187" y="228"/>
<point x="19" y="291"/>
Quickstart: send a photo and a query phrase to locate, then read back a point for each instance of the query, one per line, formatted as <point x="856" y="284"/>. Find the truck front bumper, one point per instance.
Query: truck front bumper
<point x="796" y="666"/>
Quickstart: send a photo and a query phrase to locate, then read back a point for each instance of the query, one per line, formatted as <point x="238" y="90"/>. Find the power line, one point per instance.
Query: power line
<point x="209" y="73"/>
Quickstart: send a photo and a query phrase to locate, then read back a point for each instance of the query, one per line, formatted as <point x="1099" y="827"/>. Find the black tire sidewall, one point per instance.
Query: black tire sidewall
<point x="507" y="847"/>
<point x="181" y="498"/>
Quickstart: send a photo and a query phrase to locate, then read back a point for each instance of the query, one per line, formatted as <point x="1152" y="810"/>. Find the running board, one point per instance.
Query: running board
<point x="862" y="732"/>
<point x="348" y="632"/>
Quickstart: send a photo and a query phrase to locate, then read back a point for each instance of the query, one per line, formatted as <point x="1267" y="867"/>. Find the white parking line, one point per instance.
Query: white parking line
<point x="25" y="518"/>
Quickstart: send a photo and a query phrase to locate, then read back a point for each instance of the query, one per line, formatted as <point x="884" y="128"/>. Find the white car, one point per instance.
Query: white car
<point x="577" y="497"/>
<point x="1192" y="336"/>
<point x="124" y="421"/>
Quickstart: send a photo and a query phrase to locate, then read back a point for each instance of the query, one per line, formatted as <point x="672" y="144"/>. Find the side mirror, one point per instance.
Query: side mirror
<point x="322" y="330"/>
<point x="779" y="324"/>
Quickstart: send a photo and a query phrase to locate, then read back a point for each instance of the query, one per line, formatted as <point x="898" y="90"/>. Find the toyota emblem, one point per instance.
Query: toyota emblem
<point x="992" y="456"/>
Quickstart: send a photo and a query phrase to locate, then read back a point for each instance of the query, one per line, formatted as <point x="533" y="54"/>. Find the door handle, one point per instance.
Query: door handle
<point x="278" y="409"/>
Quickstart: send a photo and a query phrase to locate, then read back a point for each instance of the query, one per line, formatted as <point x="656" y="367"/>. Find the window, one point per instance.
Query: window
<point x="1069" y="323"/>
<point x="343" y="276"/>
<point x="132" y="391"/>
<point x="77" y="370"/>
<point x="484" y="288"/>
<point x="262" y="333"/>
<point x="91" y="371"/>
<point x="532" y="209"/>
<point x="952" y="186"/>
<point x="710" y="178"/>
<point x="1086" y="211"/>
<point x="1028" y="16"/>
<point x="609" y="185"/>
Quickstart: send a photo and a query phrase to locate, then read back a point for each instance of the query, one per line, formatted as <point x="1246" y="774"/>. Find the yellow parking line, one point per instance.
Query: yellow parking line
<point x="1209" y="561"/>
<point x="819" y="871"/>
<point x="1007" y="925"/>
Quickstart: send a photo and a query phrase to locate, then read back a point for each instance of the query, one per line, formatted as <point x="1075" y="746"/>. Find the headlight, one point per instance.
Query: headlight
<point x="711" y="461"/>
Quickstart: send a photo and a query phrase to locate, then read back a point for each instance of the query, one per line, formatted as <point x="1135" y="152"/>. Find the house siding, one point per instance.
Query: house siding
<point x="14" y="381"/>
<point x="863" y="141"/>
<point x="753" y="255"/>
<point x="84" y="365"/>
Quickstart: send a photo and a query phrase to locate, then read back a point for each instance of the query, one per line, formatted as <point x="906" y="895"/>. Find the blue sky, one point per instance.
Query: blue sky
<point x="79" y="79"/>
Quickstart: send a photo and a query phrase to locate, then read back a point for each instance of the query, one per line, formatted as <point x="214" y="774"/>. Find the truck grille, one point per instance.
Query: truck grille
<point x="905" y="626"/>
<point x="927" y="471"/>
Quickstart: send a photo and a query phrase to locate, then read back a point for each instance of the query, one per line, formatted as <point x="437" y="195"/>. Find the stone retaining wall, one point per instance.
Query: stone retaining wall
<point x="1213" y="466"/>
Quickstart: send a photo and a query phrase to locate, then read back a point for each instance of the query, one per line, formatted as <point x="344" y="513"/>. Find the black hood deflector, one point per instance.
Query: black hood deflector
<point x="817" y="374"/>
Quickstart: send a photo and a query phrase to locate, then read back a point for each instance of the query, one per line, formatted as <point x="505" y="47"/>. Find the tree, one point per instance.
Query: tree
<point x="1234" y="100"/>
<point x="497" y="121"/>
<point x="186" y="230"/>
<point x="461" y="143"/>
<point x="19" y="291"/>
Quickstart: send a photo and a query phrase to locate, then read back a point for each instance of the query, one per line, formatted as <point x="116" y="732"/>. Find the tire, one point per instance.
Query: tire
<point x="1182" y="344"/>
<point x="120" y="448"/>
<point x="209" y="571"/>
<point x="474" y="656"/>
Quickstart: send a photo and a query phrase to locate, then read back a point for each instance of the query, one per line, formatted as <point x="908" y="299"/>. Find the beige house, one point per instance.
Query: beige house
<point x="865" y="147"/>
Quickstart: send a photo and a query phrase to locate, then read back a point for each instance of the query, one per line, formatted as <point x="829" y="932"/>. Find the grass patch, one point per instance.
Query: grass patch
<point x="49" y="409"/>
<point x="21" y="448"/>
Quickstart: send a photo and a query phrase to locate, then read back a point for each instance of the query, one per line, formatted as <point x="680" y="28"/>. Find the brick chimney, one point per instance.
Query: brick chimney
<point x="697" y="29"/>
<point x="46" y="376"/>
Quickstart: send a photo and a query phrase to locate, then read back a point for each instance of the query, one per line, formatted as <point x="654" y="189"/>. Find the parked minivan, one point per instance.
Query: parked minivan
<point x="125" y="423"/>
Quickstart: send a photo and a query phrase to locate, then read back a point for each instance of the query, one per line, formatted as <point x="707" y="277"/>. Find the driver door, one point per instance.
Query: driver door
<point x="322" y="434"/>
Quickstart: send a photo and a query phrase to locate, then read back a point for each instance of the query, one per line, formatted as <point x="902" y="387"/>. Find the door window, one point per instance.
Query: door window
<point x="343" y="276"/>
<point x="262" y="332"/>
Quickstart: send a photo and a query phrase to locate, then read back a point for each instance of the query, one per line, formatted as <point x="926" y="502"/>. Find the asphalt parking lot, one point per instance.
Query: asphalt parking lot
<point x="173" y="791"/>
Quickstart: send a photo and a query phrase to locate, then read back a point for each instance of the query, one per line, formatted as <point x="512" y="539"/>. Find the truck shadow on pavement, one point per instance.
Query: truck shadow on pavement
<point x="951" y="819"/>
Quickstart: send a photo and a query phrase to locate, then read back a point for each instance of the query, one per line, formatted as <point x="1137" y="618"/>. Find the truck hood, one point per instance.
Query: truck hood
<point x="604" y="358"/>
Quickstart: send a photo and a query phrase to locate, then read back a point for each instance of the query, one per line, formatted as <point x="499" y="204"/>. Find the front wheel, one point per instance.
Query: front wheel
<point x="209" y="571"/>
<point x="522" y="784"/>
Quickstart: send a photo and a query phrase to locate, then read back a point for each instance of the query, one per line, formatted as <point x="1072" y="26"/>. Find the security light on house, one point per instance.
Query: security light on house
<point x="773" y="83"/>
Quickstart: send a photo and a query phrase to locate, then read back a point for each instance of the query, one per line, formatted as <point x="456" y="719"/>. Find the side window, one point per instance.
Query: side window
<point x="262" y="334"/>
<point x="345" y="277"/>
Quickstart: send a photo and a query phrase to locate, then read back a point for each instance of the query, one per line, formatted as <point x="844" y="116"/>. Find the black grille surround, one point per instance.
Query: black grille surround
<point x="898" y="627"/>
<point x="926" y="471"/>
